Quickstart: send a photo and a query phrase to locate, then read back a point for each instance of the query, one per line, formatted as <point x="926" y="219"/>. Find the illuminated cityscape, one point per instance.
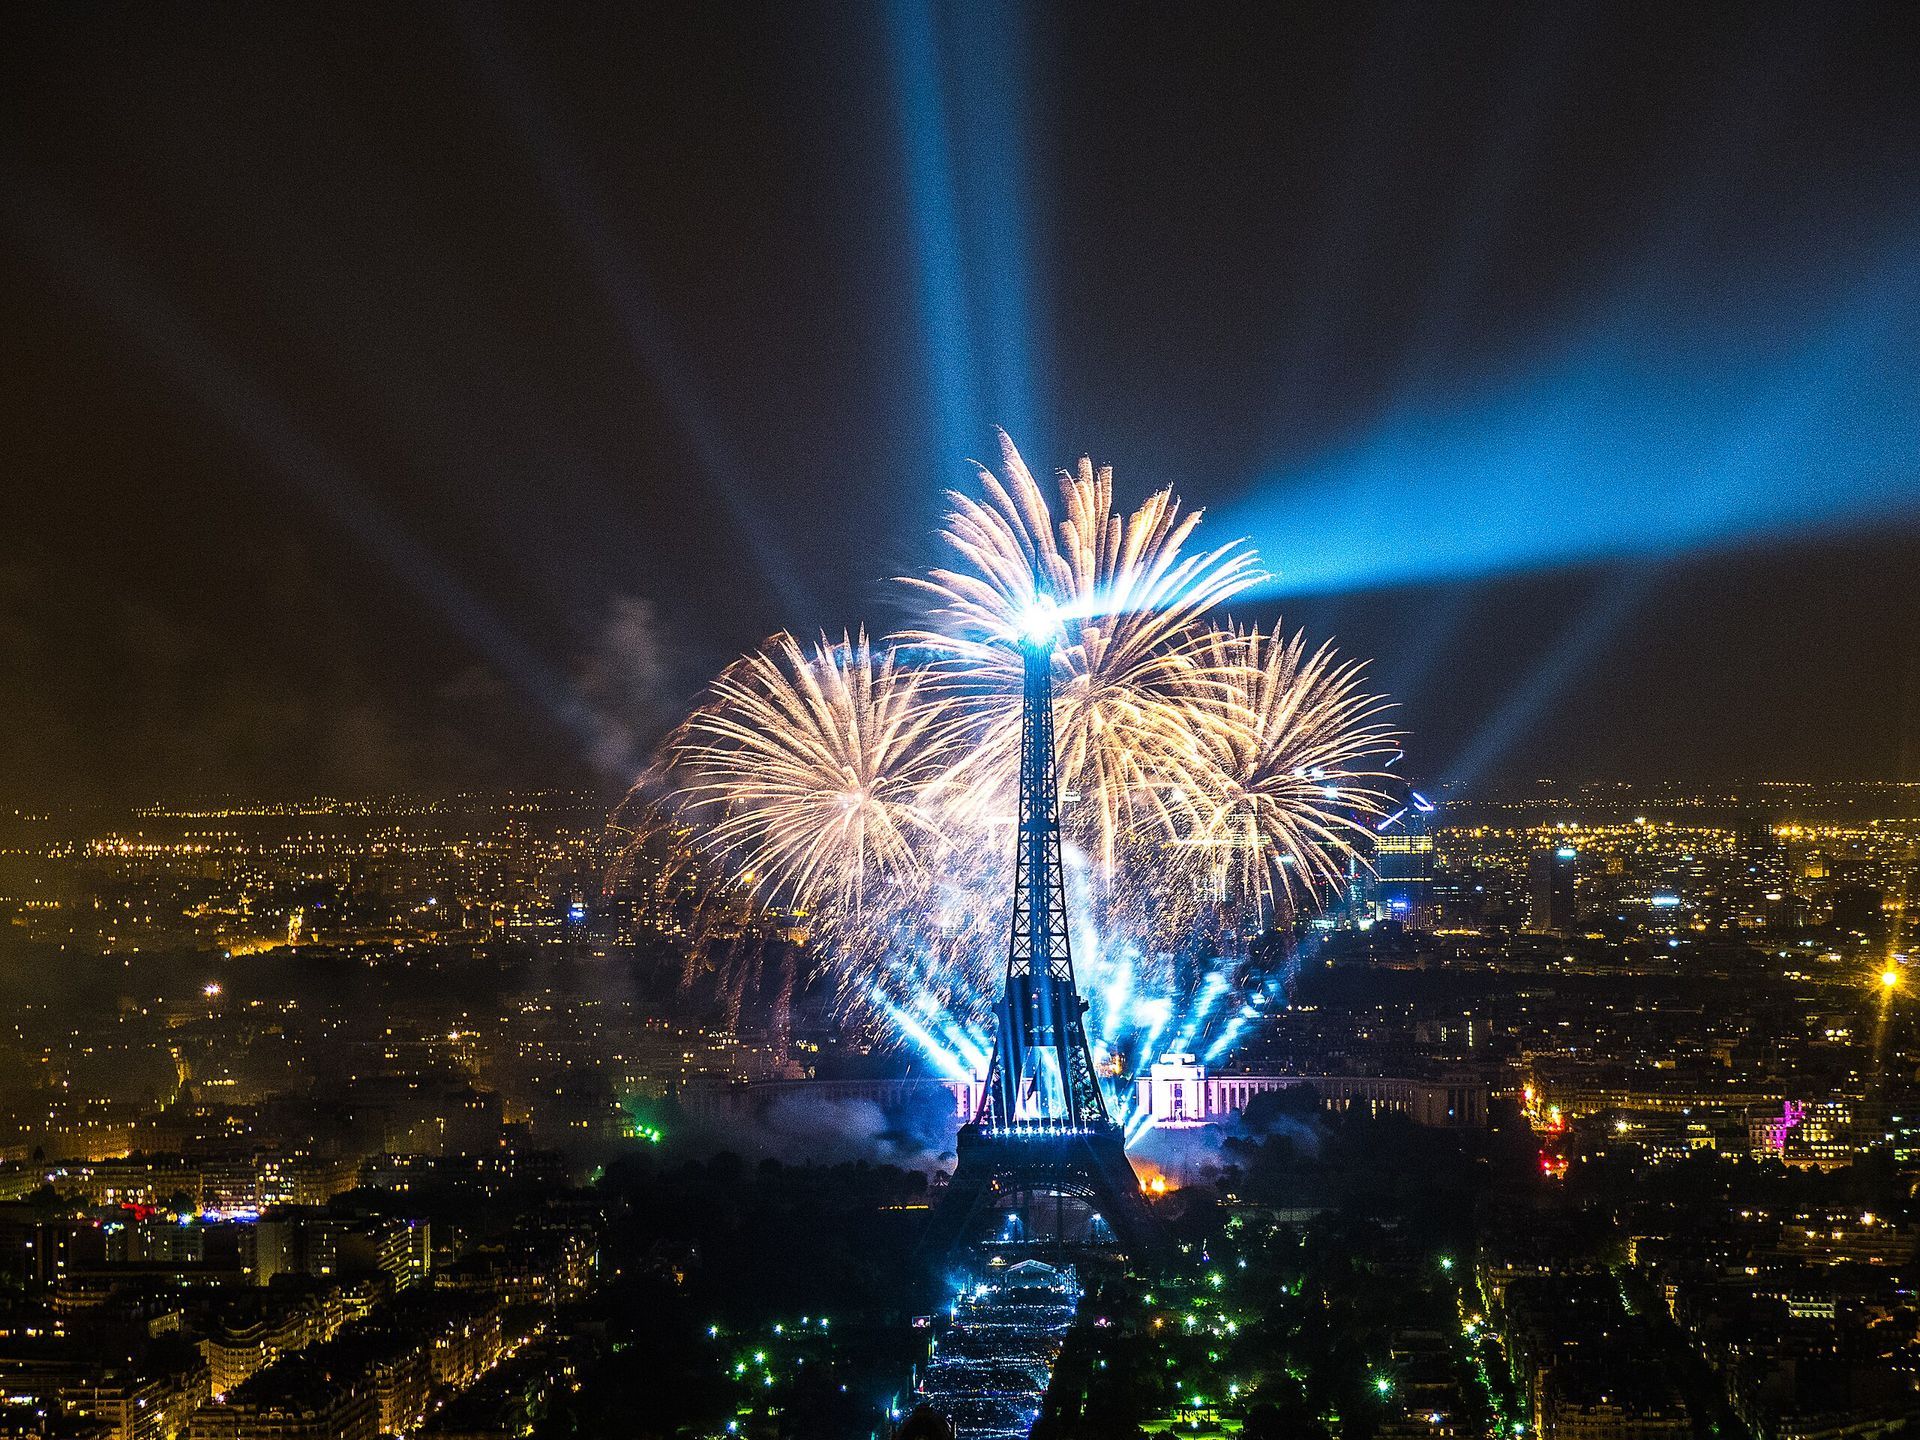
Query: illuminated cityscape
<point x="960" y="721"/>
<point x="305" y="1134"/>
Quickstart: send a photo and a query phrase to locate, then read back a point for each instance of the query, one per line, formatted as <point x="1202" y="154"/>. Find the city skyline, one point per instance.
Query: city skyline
<point x="959" y="720"/>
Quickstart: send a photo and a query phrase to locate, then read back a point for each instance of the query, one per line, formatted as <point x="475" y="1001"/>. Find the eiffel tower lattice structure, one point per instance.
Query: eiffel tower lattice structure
<point x="1042" y="1128"/>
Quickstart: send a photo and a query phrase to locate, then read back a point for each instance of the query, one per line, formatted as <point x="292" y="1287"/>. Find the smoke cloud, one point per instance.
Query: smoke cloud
<point x="805" y="1129"/>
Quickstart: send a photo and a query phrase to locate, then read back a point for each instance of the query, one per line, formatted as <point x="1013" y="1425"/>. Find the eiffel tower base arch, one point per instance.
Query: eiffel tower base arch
<point x="1086" y="1163"/>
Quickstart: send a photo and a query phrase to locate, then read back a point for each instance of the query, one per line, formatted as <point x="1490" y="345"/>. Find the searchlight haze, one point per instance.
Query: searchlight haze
<point x="1644" y="434"/>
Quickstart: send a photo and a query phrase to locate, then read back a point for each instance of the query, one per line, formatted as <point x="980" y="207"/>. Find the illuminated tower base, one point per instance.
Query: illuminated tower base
<point x="999" y="1170"/>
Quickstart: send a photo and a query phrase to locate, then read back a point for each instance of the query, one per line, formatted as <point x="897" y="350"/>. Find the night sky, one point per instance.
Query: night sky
<point x="432" y="396"/>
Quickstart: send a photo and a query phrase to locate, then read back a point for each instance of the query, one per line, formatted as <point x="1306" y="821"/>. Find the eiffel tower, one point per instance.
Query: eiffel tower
<point x="1042" y="1129"/>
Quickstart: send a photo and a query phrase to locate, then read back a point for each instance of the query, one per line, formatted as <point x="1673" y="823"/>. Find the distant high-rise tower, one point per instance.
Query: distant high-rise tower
<point x="1403" y="864"/>
<point x="1042" y="1129"/>
<point x="1551" y="877"/>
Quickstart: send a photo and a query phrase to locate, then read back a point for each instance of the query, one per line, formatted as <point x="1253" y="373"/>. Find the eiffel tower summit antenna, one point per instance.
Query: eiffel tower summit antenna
<point x="1042" y="1128"/>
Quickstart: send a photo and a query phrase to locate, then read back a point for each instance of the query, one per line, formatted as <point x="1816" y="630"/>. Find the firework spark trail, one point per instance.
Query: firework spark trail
<point x="1211" y="778"/>
<point x="687" y="893"/>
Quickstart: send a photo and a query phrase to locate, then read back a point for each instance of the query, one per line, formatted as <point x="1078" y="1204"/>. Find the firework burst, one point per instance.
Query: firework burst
<point x="1211" y="777"/>
<point x="1292" y="757"/>
<point x="1132" y="673"/>
<point x="817" y="773"/>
